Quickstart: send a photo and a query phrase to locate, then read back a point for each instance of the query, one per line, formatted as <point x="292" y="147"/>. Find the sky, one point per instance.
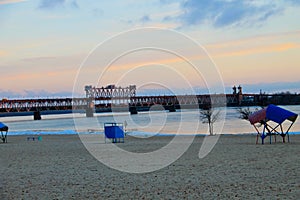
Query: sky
<point x="45" y="43"/>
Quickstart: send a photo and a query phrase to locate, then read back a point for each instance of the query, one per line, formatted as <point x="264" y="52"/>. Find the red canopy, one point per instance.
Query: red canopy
<point x="258" y="116"/>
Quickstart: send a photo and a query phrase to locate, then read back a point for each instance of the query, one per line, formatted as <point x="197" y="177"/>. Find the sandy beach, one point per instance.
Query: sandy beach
<point x="59" y="167"/>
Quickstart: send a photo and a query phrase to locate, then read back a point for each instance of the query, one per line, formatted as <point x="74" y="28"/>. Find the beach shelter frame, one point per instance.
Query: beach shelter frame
<point x="277" y="115"/>
<point x="4" y="130"/>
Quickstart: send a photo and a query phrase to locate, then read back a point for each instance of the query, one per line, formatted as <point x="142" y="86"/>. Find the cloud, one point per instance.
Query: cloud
<point x="145" y="19"/>
<point x="257" y="50"/>
<point x="45" y="93"/>
<point x="21" y="94"/>
<point x="253" y="40"/>
<point x="74" y="4"/>
<point x="224" y="13"/>
<point x="52" y="4"/>
<point x="255" y="45"/>
<point x="41" y="58"/>
<point x="97" y="12"/>
<point x="295" y="2"/>
<point x="2" y="2"/>
<point x="3" y="53"/>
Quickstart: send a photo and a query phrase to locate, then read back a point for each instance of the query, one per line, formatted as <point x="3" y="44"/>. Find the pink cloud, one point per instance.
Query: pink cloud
<point x="2" y="2"/>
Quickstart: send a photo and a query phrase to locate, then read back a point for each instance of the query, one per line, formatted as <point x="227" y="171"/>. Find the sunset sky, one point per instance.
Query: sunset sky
<point x="254" y="43"/>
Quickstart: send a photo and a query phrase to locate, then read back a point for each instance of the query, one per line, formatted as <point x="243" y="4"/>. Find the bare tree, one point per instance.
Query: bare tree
<point x="244" y="113"/>
<point x="209" y="116"/>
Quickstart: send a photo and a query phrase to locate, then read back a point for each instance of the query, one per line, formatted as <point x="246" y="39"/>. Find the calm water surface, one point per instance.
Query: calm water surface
<point x="182" y="122"/>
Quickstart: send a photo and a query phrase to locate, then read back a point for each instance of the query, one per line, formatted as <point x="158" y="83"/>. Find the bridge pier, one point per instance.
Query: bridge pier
<point x="37" y="115"/>
<point x="133" y="110"/>
<point x="89" y="111"/>
<point x="170" y="108"/>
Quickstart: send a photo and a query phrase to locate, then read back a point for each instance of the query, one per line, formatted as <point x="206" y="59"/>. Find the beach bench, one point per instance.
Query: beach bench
<point x="33" y="138"/>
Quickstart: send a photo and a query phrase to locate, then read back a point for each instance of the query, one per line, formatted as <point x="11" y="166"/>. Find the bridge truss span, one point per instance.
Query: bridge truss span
<point x="31" y="105"/>
<point x="103" y="99"/>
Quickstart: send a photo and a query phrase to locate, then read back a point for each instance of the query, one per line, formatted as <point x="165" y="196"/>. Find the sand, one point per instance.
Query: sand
<point x="59" y="167"/>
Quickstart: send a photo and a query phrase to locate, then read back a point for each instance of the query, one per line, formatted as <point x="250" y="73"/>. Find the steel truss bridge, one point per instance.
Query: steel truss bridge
<point x="106" y="99"/>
